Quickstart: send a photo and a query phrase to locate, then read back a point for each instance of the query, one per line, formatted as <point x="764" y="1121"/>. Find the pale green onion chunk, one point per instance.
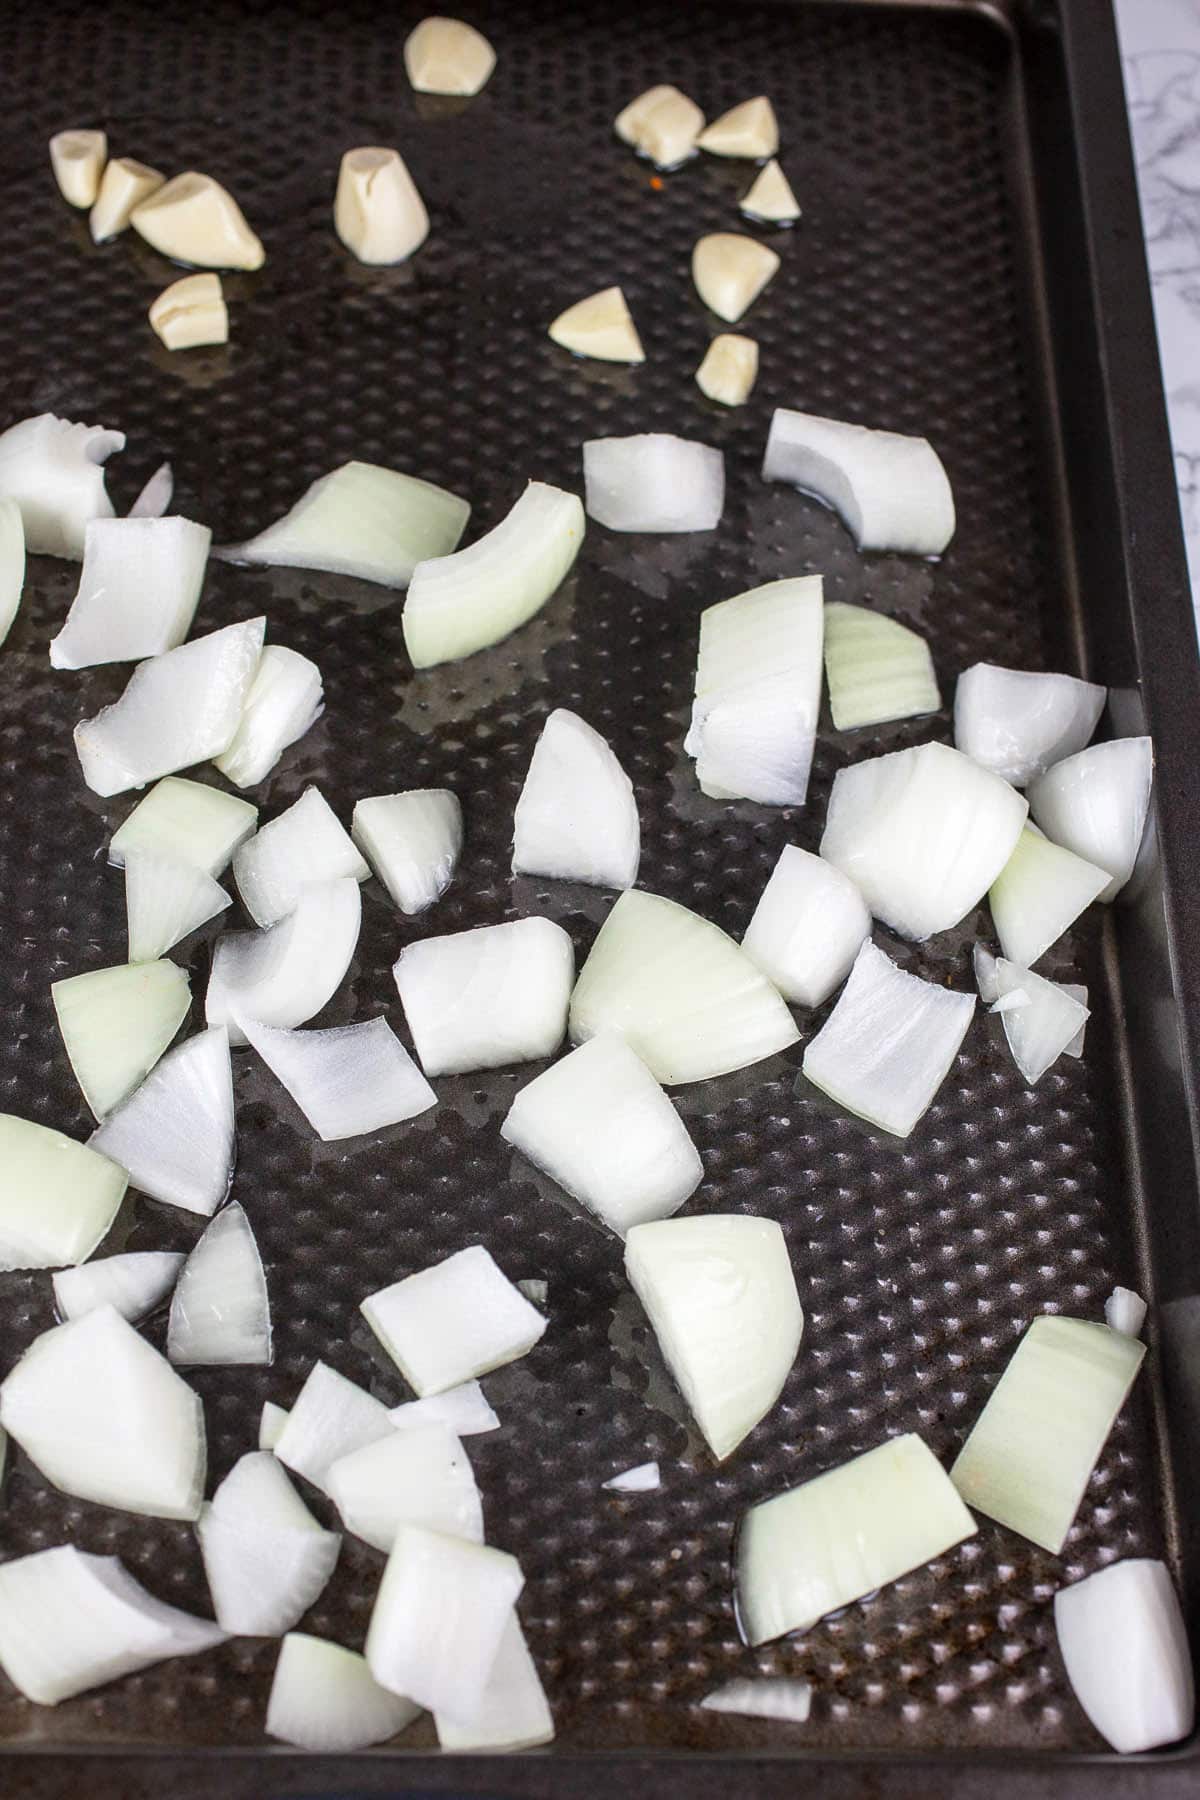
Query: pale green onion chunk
<point x="271" y="1424"/>
<point x="576" y="818"/>
<point x="188" y="822"/>
<point x="482" y="998"/>
<point x="220" y="1312"/>
<point x="844" y="1534"/>
<point x="452" y="1322"/>
<point x="54" y="471"/>
<point x="284" y="975"/>
<point x="165" y="901"/>
<point x="116" y="1023"/>
<point x="134" y="1283"/>
<point x="765" y="1698"/>
<point x="513" y="1713"/>
<point x="1095" y="803"/>
<point x="1125" y="1311"/>
<point x="175" y="1133"/>
<point x="306" y="844"/>
<point x="412" y="841"/>
<point x="891" y="492"/>
<point x="809" y="925"/>
<point x="1018" y="723"/>
<point x="1040" y="892"/>
<point x="285" y="700"/>
<point x="325" y="1698"/>
<point x="330" y="1417"/>
<point x="138" y="591"/>
<point x="417" y="1477"/>
<point x="266" y="1558"/>
<point x="1034" y="1446"/>
<point x="1124" y="1642"/>
<point x="57" y="1198"/>
<point x="348" y="1080"/>
<point x="1041" y="1029"/>
<point x="12" y="564"/>
<point x="889" y="1043"/>
<point x="877" y="669"/>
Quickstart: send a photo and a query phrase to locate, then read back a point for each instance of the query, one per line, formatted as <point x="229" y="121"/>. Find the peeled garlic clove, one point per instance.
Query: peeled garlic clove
<point x="746" y="130"/>
<point x="662" y="124"/>
<point x="600" y="326"/>
<point x="77" y="158"/>
<point x="125" y="184"/>
<point x="447" y="56"/>
<point x="191" y="312"/>
<point x="377" y="212"/>
<point x="730" y="272"/>
<point x="770" y="198"/>
<point x="193" y="219"/>
<point x="729" y="369"/>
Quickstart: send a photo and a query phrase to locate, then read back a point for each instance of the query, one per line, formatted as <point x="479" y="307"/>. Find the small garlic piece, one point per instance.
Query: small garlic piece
<point x="729" y="370"/>
<point x="78" y="158"/>
<point x="771" y="198"/>
<point x="378" y="213"/>
<point x="600" y="326"/>
<point x="125" y="184"/>
<point x="447" y="56"/>
<point x="746" y="130"/>
<point x="662" y="124"/>
<point x="191" y="312"/>
<point x="730" y="272"/>
<point x="195" y="220"/>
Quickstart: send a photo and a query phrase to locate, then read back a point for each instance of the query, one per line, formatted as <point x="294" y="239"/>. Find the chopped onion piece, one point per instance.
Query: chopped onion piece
<point x="809" y="925"/>
<point x="923" y="833"/>
<point x="891" y="492"/>
<point x="1095" y="803"/>
<point x="679" y="990"/>
<point x="285" y="700"/>
<point x="1125" y="1646"/>
<point x="842" y="1535"/>
<point x="124" y="185"/>
<point x="765" y="1698"/>
<point x="483" y="998"/>
<point x="271" y="1424"/>
<point x="177" y="709"/>
<point x="347" y="1081"/>
<point x="600" y="327"/>
<point x="412" y="841"/>
<point x="730" y="271"/>
<point x="77" y="159"/>
<point x="188" y="822"/>
<point x="1034" y="1445"/>
<point x="330" y="1417"/>
<point x="599" y="1124"/>
<point x="662" y="124"/>
<point x="193" y="219"/>
<point x="106" y="1418"/>
<point x="1040" y="892"/>
<point x="770" y="199"/>
<point x="1080" y="993"/>
<point x="175" y="1134"/>
<point x="877" y="669"/>
<point x="729" y="369"/>
<point x="644" y="1479"/>
<point x="985" y="974"/>
<point x="448" y="56"/>
<point x="889" y="1043"/>
<point x="459" y="604"/>
<point x="54" y="472"/>
<point x="324" y="1698"/>
<point x="653" y="482"/>
<point x="364" y="520"/>
<point x="166" y="901"/>
<point x="1040" y="1030"/>
<point x="439" y="1617"/>
<point x="12" y="564"/>
<point x="377" y="211"/>
<point x="513" y="1713"/>
<point x="155" y="498"/>
<point x="138" y="591"/>
<point x="464" y="1410"/>
<point x="304" y="845"/>
<point x="70" y="1621"/>
<point x="758" y="693"/>
<point x="286" y="974"/>
<point x="452" y="1322"/>
<point x="266" y="1558"/>
<point x="576" y="818"/>
<point x="1019" y="723"/>
<point x="57" y="1198"/>
<point x="220" y="1312"/>
<point x="1125" y="1311"/>
<point x="135" y="1283"/>
<point x="535" y="1288"/>
<point x="416" y="1477"/>
<point x="116" y="1023"/>
<point x="746" y="130"/>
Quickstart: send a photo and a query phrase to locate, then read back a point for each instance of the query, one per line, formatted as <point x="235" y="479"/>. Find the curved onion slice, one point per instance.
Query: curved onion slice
<point x="601" y="1126"/>
<point x="452" y="1322"/>
<point x="187" y="822"/>
<point x="57" y="1198"/>
<point x="12" y="564"/>
<point x="730" y="271"/>
<point x="155" y="498"/>
<point x="746" y="130"/>
<point x="220" y="1312"/>
<point x="1040" y="1030"/>
<point x="766" y="1698"/>
<point x="271" y="1424"/>
<point x="1040" y="892"/>
<point x="1125" y="1646"/>
<point x="770" y="198"/>
<point x="888" y="1044"/>
<point x="513" y="1713"/>
<point x="662" y="124"/>
<point x="134" y="1283"/>
<point x="416" y="1477"/>
<point x="330" y="1418"/>
<point x="459" y="604"/>
<point x="265" y="1556"/>
<point x="653" y="482"/>
<point x="721" y="1296"/>
<point x="304" y="845"/>
<point x="464" y="1410"/>
<point x="891" y="492"/>
<point x="347" y="1081"/>
<point x="679" y="990"/>
<point x="480" y="999"/>
<point x="138" y="591"/>
<point x="116" y="1023"/>
<point x="923" y="833"/>
<point x="106" y="1418"/>
<point x="361" y="520"/>
<point x="166" y="901"/>
<point x="644" y="1479"/>
<point x="175" y="1134"/>
<point x="285" y="700"/>
<point x="877" y="669"/>
<point x="809" y="925"/>
<point x="758" y="693"/>
<point x="1095" y="803"/>
<point x="1125" y="1311"/>
<point x="448" y="56"/>
<point x="600" y="327"/>
<point x="286" y="974"/>
<point x="326" y="1698"/>
<point x="412" y="841"/>
<point x="1018" y="724"/>
<point x="177" y="709"/>
<point x="576" y="819"/>
<point x="70" y="1621"/>
<point x="54" y="471"/>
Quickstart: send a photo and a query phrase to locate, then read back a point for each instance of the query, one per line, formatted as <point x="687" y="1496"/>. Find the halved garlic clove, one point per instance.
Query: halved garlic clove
<point x="729" y="369"/>
<point x="662" y="124"/>
<point x="124" y="185"/>
<point x="448" y="56"/>
<point x="191" y="312"/>
<point x="78" y="158"/>
<point x="377" y="212"/>
<point x="193" y="219"/>
<point x="600" y="326"/>
<point x="746" y="130"/>
<point x="730" y="272"/>
<point x="770" y="197"/>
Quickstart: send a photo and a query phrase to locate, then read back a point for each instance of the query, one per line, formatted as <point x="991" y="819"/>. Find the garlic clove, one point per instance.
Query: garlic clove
<point x="662" y="124"/>
<point x="770" y="197"/>
<point x="191" y="312"/>
<point x="600" y="326"/>
<point x="193" y="219"/>
<point x="124" y="185"/>
<point x="746" y="130"/>
<point x="377" y="212"/>
<point x="730" y="272"/>
<point x="78" y="158"/>
<point x="448" y="56"/>
<point x="729" y="369"/>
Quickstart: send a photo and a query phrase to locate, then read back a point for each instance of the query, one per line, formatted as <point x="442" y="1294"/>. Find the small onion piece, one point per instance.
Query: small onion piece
<point x="116" y="1023"/>
<point x="286" y="698"/>
<point x="644" y="1479"/>
<point x="1040" y="892"/>
<point x="1018" y="724"/>
<point x="325" y="1698"/>
<point x="453" y="1321"/>
<point x="653" y="482"/>
<point x="746" y="130"/>
<point x="348" y="1080"/>
<point x="464" y="1410"/>
<point x="12" y="564"/>
<point x="1080" y="993"/>
<point x="730" y="271"/>
<point x="220" y="1313"/>
<point x="535" y="1288"/>
<point x="416" y="1477"/>
<point x="601" y="327"/>
<point x="1095" y="803"/>
<point x="54" y="472"/>
<point x="662" y="124"/>
<point x="135" y="1283"/>
<point x="138" y="591"/>
<point x="484" y="998"/>
<point x="770" y="199"/>
<point x="576" y="818"/>
<point x="448" y="56"/>
<point x="1124" y="1642"/>
<point x="985" y="974"/>
<point x="57" y="1198"/>
<point x="1040" y="1030"/>
<point x="1125" y="1311"/>
<point x="513" y="1713"/>
<point x="891" y="492"/>
<point x="877" y="669"/>
<point x="266" y="1558"/>
<point x="165" y="901"/>
<point x="155" y="498"/>
<point x="769" y="1697"/>
<point x="412" y="841"/>
<point x="188" y="822"/>
<point x="175" y="1133"/>
<point x="809" y="925"/>
<point x="330" y="1418"/>
<point x="271" y="1424"/>
<point x="284" y="975"/>
<point x="305" y="845"/>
